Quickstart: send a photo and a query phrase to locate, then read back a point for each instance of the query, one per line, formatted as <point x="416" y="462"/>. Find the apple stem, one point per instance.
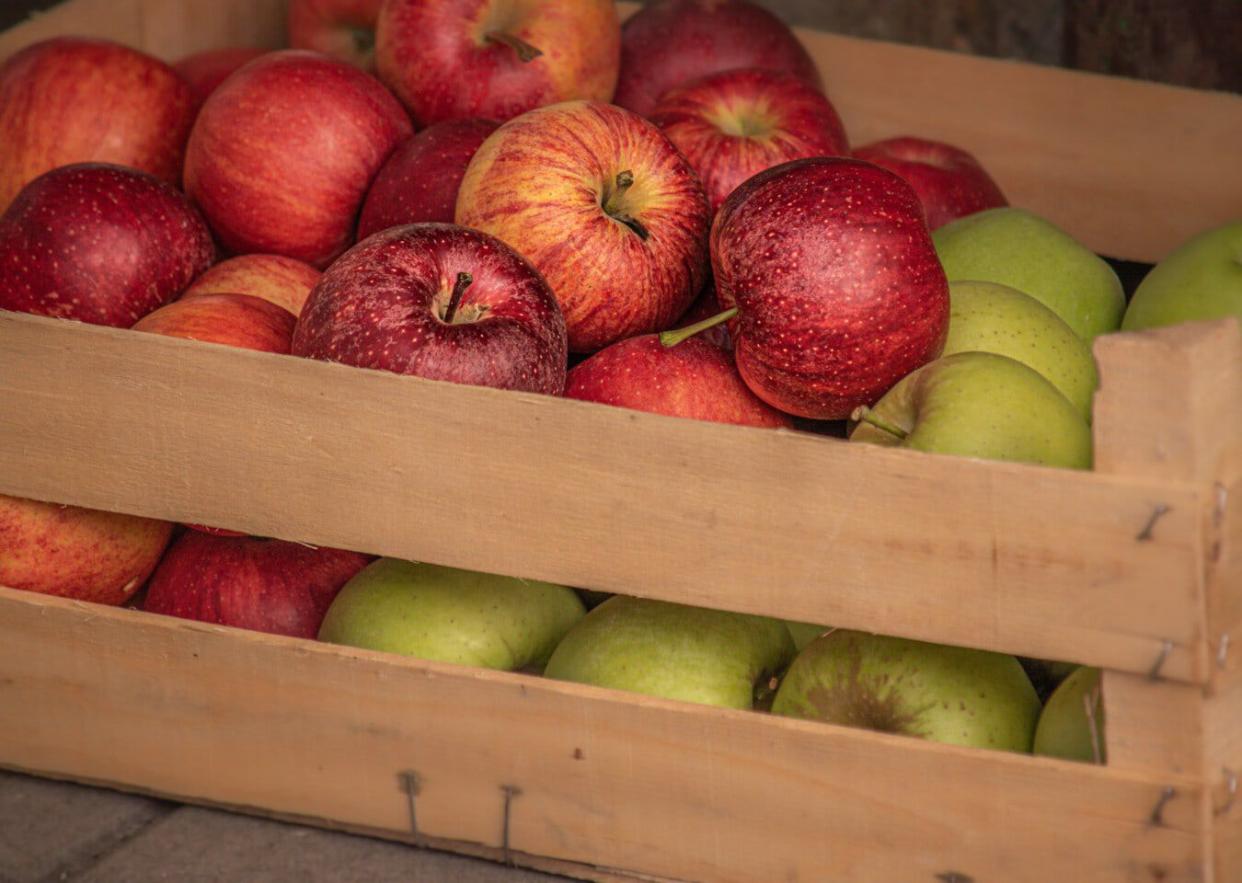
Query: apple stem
<point x="677" y="335"/>
<point x="865" y="415"/>
<point x="364" y="40"/>
<point x="459" y="288"/>
<point x="624" y="181"/>
<point x="524" y="50"/>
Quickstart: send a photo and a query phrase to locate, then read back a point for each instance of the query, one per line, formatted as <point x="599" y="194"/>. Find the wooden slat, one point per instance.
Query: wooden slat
<point x="1153" y="725"/>
<point x="1041" y="562"/>
<point x="1078" y="148"/>
<point x="657" y="787"/>
<point x="1223" y="750"/>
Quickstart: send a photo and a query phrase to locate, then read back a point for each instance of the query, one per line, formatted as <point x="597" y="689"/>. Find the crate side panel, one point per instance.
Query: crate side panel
<point x="1153" y="725"/>
<point x="625" y="782"/>
<point x="1048" y="563"/>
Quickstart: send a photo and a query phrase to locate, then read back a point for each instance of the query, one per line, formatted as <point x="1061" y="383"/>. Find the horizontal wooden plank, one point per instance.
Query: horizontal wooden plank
<point x="1153" y="725"/>
<point x="658" y="787"/>
<point x="1042" y="562"/>
<point x="1077" y="148"/>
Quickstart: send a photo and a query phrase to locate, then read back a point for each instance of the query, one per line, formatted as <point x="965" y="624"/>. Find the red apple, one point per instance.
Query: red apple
<point x="604" y="206"/>
<point x="734" y="124"/>
<point x="283" y="281"/>
<point x="71" y="100"/>
<point x="839" y="290"/>
<point x="77" y="553"/>
<point x="251" y="583"/>
<point x="240" y="320"/>
<point x="284" y="152"/>
<point x="670" y="42"/>
<point x="419" y="182"/>
<point x="495" y="59"/>
<point x="204" y="71"/>
<point x="344" y="29"/>
<point x="441" y="302"/>
<point x="99" y="243"/>
<point x="692" y="378"/>
<point x="949" y="181"/>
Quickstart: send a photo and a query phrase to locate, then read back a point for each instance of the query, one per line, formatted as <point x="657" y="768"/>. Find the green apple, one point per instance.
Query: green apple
<point x="1072" y="723"/>
<point x="450" y="615"/>
<point x="1016" y="248"/>
<point x="993" y="318"/>
<point x="805" y="632"/>
<point x="671" y="650"/>
<point x="1202" y="279"/>
<point x="895" y="685"/>
<point x="979" y="405"/>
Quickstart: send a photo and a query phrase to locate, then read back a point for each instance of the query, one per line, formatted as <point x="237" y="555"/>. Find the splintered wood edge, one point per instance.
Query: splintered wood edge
<point x="326" y="728"/>
<point x="1000" y="544"/>
<point x="1035" y="128"/>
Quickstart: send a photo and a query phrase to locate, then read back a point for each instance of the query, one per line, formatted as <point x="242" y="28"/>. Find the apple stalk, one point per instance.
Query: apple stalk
<point x="525" y="52"/>
<point x="865" y="415"/>
<point x="459" y="288"/>
<point x="677" y="335"/>
<point x="624" y="181"/>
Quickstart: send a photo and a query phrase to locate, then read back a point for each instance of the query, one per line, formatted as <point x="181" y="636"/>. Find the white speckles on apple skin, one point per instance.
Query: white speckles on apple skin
<point x="379" y="306"/>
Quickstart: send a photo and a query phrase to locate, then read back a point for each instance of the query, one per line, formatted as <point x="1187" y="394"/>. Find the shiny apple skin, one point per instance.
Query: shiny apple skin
<point x="72" y="100"/>
<point x="380" y="306"/>
<point x="239" y="320"/>
<point x="284" y="151"/>
<point x="949" y="181"/>
<point x="839" y="290"/>
<point x="99" y="243"/>
<point x="668" y="43"/>
<point x="205" y="71"/>
<point x="735" y="124"/>
<point x="540" y="183"/>
<point x="433" y="54"/>
<point x="283" y="281"/>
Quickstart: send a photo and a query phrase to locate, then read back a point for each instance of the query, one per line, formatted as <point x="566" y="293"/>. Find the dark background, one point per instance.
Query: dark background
<point x="1191" y="43"/>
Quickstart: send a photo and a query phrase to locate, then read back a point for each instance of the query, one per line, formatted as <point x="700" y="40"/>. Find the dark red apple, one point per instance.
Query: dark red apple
<point x="99" y="243"/>
<point x="77" y="553"/>
<point x="670" y="42"/>
<point x="284" y="281"/>
<point x="72" y="100"/>
<point x="839" y="290"/>
<point x="604" y="206"/>
<point x="734" y="124"/>
<point x="283" y="154"/>
<point x="344" y="29"/>
<point x="419" y="182"/>
<point x="204" y="71"/>
<point x="692" y="378"/>
<point x="251" y="583"/>
<point x="441" y="302"/>
<point x="949" y="181"/>
<point x="495" y="59"/>
<point x="240" y="320"/>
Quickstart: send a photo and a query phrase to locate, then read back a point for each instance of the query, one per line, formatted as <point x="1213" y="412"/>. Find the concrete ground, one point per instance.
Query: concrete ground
<point x="57" y="831"/>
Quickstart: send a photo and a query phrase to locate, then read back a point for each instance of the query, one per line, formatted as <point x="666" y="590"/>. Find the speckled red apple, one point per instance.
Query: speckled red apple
<point x="668" y="43"/>
<point x="72" y="100"/>
<point x="419" y="182"/>
<point x="839" y="290"/>
<point x="252" y="583"/>
<point x="205" y="71"/>
<point x="694" y="378"/>
<point x="949" y="181"/>
<point x="734" y="124"/>
<point x="441" y="302"/>
<point x="99" y="243"/>
<point x="77" y="553"/>
<point x="604" y="206"/>
<point x="240" y="320"/>
<point x="285" y="150"/>
<point x="283" y="281"/>
<point x="344" y="29"/>
<point x="496" y="59"/>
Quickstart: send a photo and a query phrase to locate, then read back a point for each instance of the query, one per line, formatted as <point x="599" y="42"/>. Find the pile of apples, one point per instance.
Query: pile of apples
<point x="667" y="216"/>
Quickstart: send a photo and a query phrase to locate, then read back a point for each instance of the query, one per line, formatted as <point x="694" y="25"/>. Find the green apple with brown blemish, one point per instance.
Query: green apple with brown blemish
<point x="895" y="685"/>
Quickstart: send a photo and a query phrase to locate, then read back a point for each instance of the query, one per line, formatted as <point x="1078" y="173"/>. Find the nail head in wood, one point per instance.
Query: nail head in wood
<point x="1157" y="813"/>
<point x="1166" y="647"/>
<point x="1159" y="512"/>
<point x="510" y="792"/>
<point x="1231" y="792"/>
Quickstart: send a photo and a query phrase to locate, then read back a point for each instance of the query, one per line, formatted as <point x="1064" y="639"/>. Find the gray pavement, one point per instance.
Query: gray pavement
<point x="59" y="831"/>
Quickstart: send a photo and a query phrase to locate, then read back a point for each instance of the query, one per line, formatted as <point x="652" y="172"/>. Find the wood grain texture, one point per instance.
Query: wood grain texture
<point x="1153" y="725"/>
<point x="1041" y="562"/>
<point x="1077" y="148"/>
<point x="659" y="787"/>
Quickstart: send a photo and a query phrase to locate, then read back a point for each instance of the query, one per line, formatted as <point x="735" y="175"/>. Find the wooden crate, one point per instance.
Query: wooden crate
<point x="1136" y="567"/>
